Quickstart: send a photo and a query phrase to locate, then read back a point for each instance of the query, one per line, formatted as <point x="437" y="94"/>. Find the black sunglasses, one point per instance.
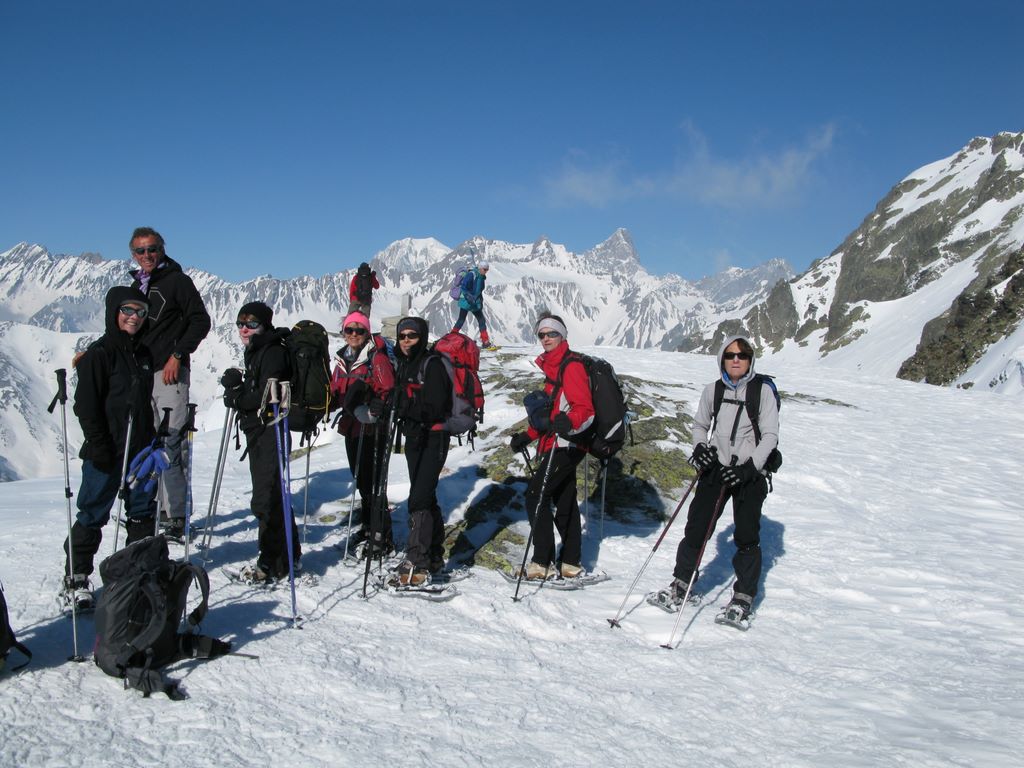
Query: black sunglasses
<point x="408" y="335"/>
<point x="735" y="355"/>
<point x="129" y="310"/>
<point x="549" y="335"/>
<point x="252" y="325"/>
<point x="355" y="331"/>
<point x="154" y="249"/>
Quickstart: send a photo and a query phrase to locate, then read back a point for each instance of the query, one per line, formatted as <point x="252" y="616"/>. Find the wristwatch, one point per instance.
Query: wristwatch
<point x="176" y="355"/>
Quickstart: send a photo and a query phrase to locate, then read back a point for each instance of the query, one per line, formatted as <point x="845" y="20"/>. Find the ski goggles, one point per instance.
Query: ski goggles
<point x="548" y="335"/>
<point x="252" y="325"/>
<point x="128" y="310"/>
<point x="735" y="355"/>
<point x="352" y="330"/>
<point x="151" y="249"/>
<point x="408" y="335"/>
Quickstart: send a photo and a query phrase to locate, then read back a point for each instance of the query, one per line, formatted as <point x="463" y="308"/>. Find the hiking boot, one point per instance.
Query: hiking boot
<point x="739" y="607"/>
<point x="538" y="572"/>
<point x="436" y="566"/>
<point x="570" y="571"/>
<point x="78" y="592"/>
<point x="408" y="575"/>
<point x="174" y="529"/>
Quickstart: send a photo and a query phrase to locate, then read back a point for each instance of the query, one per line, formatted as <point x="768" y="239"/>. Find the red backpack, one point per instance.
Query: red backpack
<point x="461" y="357"/>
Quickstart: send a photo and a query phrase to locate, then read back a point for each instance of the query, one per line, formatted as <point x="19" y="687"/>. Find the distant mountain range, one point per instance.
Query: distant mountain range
<point x="930" y="287"/>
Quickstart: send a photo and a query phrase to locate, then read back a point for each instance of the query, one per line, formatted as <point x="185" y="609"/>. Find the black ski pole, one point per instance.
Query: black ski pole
<point x="189" y="429"/>
<point x="218" y="476"/>
<point x="379" y="505"/>
<point x="305" y="488"/>
<point x="122" y="492"/>
<point x="536" y="512"/>
<point x="62" y="398"/>
<point x="693" y="576"/>
<point x="281" y="425"/>
<point x="355" y="488"/>
<point x="526" y="458"/>
<point x="615" y="622"/>
<point x="163" y="431"/>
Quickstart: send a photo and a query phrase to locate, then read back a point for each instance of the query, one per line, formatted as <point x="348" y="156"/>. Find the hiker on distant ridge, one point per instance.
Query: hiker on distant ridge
<point x="115" y="383"/>
<point x="178" y="322"/>
<point x="567" y="410"/>
<point x="360" y="289"/>
<point x="731" y="460"/>
<point x="361" y="388"/>
<point x="265" y="358"/>
<point x="471" y="299"/>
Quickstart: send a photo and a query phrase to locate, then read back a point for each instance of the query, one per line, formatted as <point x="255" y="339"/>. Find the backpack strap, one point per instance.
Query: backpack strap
<point x="152" y="631"/>
<point x="751" y="403"/>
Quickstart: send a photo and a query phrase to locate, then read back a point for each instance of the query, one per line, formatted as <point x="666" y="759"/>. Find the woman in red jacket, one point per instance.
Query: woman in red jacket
<point x="571" y="412"/>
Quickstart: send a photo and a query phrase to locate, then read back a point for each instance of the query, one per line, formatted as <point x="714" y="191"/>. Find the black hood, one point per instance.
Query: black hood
<point x="117" y="296"/>
<point x="421" y="344"/>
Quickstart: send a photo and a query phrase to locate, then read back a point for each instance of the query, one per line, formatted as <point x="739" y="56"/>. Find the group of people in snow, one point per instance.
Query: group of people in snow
<point x="134" y="380"/>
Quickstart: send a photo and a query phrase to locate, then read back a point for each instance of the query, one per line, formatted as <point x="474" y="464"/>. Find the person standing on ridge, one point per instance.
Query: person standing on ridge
<point x="360" y="290"/>
<point x="471" y="299"/>
<point x="177" y="323"/>
<point x="115" y="383"/>
<point x="265" y="358"/>
<point x="423" y="402"/>
<point x="731" y="461"/>
<point x="568" y="411"/>
<point x="362" y="386"/>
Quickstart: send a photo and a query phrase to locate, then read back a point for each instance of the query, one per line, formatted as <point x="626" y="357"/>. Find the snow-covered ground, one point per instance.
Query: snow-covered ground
<point x="888" y="632"/>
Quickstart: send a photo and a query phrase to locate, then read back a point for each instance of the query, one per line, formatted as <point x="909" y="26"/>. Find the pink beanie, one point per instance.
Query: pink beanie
<point x="356" y="317"/>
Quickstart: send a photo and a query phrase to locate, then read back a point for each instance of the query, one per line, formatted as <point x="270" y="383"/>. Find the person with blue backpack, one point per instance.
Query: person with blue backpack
<point x="732" y="453"/>
<point x="471" y="299"/>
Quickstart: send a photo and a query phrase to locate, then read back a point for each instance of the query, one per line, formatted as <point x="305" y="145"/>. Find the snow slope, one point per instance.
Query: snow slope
<point x="887" y="634"/>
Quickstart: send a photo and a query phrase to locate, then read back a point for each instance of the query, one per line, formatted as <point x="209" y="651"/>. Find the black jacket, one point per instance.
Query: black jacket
<point x="115" y="379"/>
<point x="423" y="390"/>
<point x="178" y="319"/>
<point x="265" y="358"/>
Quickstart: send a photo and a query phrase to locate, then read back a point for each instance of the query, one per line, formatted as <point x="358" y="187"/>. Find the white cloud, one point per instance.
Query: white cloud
<point x="760" y="179"/>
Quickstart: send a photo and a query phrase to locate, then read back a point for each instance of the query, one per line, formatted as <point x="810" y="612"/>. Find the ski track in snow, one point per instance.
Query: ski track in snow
<point x="887" y="632"/>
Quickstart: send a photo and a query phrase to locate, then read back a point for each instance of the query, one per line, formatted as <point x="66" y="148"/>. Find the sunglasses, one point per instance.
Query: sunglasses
<point x="152" y="249"/>
<point x="128" y="311"/>
<point x="252" y="325"/>
<point x="735" y="355"/>
<point x="355" y="331"/>
<point x="408" y="335"/>
<point x="549" y="335"/>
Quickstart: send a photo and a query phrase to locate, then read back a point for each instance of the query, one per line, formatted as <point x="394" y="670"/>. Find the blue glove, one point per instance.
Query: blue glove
<point x="147" y="466"/>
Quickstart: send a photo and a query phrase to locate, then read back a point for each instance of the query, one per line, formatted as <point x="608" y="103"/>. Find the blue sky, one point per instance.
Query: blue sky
<point x="301" y="138"/>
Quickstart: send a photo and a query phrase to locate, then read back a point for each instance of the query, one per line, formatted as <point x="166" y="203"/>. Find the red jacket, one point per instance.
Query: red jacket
<point x="370" y="375"/>
<point x="573" y="399"/>
<point x="352" y="286"/>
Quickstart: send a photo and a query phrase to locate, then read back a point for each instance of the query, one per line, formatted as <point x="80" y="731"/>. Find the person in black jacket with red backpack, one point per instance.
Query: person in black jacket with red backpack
<point x="423" y="402"/>
<point x="265" y="358"/>
<point x="115" y="382"/>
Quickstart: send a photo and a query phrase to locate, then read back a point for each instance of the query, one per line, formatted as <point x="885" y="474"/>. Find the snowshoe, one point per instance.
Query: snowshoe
<point x="737" y="613"/>
<point x="77" y="595"/>
<point x="671" y="598"/>
<point x="490" y="347"/>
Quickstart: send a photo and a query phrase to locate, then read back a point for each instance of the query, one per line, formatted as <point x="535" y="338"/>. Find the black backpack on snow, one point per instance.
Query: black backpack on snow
<point x="607" y="432"/>
<point x="752" y="404"/>
<point x="7" y="638"/>
<point x="311" y="376"/>
<point x="364" y="284"/>
<point x="138" y="614"/>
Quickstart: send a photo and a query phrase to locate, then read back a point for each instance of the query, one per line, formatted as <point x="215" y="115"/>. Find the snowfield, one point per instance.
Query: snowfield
<point x="888" y="632"/>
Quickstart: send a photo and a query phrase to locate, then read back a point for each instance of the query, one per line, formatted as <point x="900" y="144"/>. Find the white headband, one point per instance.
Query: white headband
<point x="552" y="325"/>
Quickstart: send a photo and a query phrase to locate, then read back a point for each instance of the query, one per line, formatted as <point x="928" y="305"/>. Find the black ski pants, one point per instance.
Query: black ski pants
<point x="266" y="503"/>
<point x="559" y="488"/>
<point x="361" y="464"/>
<point x="747" y="502"/>
<point x="425" y="454"/>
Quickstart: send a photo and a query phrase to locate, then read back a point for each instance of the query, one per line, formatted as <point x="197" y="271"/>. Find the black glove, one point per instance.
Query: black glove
<point x="519" y="442"/>
<point x="231" y="397"/>
<point x="561" y="424"/>
<point x="741" y="475"/>
<point x="376" y="407"/>
<point x="231" y="379"/>
<point x="703" y="457"/>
